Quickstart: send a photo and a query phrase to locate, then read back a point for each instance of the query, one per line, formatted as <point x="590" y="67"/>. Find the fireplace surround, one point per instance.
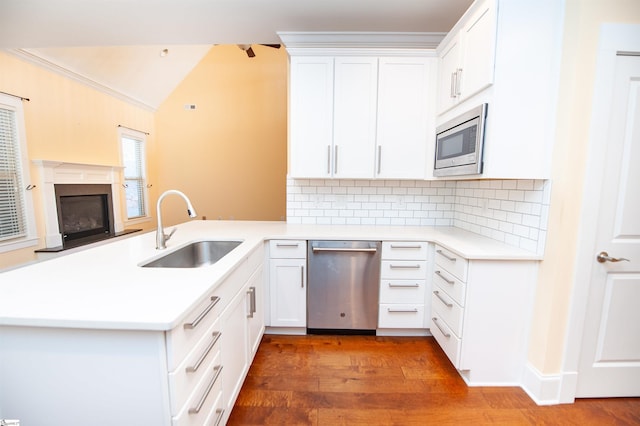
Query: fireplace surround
<point x="80" y="201"/>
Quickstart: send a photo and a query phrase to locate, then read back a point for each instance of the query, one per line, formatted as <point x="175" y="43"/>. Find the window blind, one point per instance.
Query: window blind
<point x="134" y="176"/>
<point x="12" y="207"/>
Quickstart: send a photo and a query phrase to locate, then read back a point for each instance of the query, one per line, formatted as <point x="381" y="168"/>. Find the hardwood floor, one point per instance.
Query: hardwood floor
<point x="357" y="380"/>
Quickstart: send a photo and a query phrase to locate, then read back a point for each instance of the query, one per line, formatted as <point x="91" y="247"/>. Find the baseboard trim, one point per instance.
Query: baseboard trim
<point x="549" y="389"/>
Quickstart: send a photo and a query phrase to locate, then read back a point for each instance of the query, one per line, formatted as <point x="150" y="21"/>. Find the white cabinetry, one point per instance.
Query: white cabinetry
<point x="288" y="283"/>
<point x="492" y="55"/>
<point x="480" y="315"/>
<point x="403" y="287"/>
<point x="466" y="57"/>
<point x="361" y="117"/>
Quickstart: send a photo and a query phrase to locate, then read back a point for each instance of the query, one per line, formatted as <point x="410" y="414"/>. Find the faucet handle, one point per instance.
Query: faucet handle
<point x="168" y="236"/>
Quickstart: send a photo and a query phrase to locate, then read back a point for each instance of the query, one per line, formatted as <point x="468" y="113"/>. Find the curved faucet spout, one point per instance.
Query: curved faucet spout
<point x="161" y="237"/>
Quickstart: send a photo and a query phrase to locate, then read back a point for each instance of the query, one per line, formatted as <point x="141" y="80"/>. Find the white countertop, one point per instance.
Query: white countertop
<point x="104" y="287"/>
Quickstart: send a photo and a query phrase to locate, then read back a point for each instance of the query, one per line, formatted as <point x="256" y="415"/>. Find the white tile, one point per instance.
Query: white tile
<point x="525" y="184"/>
<point x="509" y="184"/>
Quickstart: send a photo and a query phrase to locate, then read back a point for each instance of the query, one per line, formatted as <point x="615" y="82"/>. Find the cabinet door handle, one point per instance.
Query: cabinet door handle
<point x="392" y="285"/>
<point x="453" y="85"/>
<point x="329" y="159"/>
<point x="335" y="160"/>
<point x="195" y="410"/>
<point x="301" y="276"/>
<point x="435" y="321"/>
<point x="193" y="368"/>
<point x="379" y="158"/>
<point x="448" y="281"/>
<point x="194" y="324"/>
<point x="392" y="266"/>
<point x="252" y="301"/>
<point x="447" y="304"/>
<point x="458" y="80"/>
<point x="446" y="256"/>
<point x="397" y="310"/>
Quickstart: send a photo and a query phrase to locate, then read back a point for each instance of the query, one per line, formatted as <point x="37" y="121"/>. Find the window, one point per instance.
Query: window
<point x="17" y="223"/>
<point x="135" y="175"/>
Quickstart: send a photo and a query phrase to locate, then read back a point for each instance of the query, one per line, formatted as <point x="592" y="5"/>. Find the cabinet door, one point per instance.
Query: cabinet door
<point x="478" y="55"/>
<point x="311" y="117"/>
<point x="448" y="64"/>
<point x="288" y="290"/>
<point x="354" y="117"/>
<point x="234" y="349"/>
<point x="255" y="313"/>
<point x="406" y="92"/>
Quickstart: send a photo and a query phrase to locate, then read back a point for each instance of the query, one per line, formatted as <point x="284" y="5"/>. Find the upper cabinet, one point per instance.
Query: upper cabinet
<point x="505" y="54"/>
<point x="466" y="58"/>
<point x="361" y="116"/>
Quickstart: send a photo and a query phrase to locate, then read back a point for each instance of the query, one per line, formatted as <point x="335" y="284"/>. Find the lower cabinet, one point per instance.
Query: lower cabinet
<point x="288" y="283"/>
<point x="480" y="315"/>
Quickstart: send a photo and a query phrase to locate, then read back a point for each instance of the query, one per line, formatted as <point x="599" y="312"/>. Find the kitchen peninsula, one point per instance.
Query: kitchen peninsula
<point x="95" y="336"/>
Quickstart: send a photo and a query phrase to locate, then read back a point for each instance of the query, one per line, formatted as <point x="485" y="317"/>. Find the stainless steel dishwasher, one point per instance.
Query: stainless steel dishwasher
<point x="343" y="286"/>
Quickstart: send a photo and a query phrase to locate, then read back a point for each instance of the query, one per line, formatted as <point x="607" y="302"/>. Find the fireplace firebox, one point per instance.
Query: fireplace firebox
<point x="85" y="213"/>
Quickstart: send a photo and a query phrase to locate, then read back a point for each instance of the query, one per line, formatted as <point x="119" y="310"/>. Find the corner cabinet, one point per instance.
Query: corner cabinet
<point x="360" y="117"/>
<point x="491" y="56"/>
<point x="480" y="315"/>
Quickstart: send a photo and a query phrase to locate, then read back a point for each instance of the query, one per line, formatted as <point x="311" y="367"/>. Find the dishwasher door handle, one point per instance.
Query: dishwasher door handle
<point x="367" y="250"/>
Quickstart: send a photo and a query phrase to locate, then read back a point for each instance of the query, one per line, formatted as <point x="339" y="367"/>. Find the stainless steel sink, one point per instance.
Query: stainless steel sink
<point x="194" y="255"/>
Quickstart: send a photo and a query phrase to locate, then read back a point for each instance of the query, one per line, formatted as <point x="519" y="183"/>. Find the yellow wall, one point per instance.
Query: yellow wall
<point x="229" y="154"/>
<point x="582" y="22"/>
<point x="67" y="121"/>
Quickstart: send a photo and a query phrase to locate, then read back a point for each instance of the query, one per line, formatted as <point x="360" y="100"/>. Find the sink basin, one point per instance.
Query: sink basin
<point x="194" y="255"/>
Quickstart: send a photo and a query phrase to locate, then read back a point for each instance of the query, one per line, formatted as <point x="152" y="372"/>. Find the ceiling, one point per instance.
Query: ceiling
<point x="116" y="43"/>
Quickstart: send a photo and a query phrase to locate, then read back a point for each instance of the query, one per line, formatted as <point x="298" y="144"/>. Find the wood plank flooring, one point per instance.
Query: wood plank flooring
<point x="369" y="380"/>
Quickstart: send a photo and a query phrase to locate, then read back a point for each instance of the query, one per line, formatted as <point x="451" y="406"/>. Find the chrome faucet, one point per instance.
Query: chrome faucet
<point x="161" y="237"/>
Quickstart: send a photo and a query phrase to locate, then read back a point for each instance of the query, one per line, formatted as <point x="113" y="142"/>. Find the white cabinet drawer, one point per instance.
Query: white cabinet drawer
<point x="204" y="401"/>
<point x="447" y="309"/>
<point x="402" y="291"/>
<point x="450" y="344"/>
<point x="452" y="262"/>
<point x="184" y="379"/>
<point x="287" y="249"/>
<point x="403" y="269"/>
<point x="182" y="339"/>
<point x="404" y="250"/>
<point x="401" y="316"/>
<point x="450" y="284"/>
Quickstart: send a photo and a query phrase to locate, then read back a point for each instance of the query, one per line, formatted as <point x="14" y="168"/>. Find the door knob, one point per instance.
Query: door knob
<point x="603" y="256"/>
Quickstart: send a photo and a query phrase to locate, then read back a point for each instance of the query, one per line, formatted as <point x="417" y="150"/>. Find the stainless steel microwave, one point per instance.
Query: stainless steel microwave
<point x="459" y="144"/>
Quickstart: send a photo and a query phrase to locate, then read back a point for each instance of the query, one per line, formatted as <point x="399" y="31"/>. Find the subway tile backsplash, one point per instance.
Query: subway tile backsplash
<point x="511" y="211"/>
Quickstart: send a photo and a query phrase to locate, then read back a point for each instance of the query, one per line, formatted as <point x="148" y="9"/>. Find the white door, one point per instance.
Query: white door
<point x="609" y="362"/>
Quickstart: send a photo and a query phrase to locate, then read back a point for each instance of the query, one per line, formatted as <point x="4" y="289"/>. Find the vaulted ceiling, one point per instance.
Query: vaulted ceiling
<point x="117" y="43"/>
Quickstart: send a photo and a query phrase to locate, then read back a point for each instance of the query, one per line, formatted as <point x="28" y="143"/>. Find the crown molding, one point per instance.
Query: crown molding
<point x="361" y="40"/>
<point x="53" y="67"/>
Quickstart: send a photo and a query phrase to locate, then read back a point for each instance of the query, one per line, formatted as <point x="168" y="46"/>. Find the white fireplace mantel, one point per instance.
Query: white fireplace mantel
<point x="59" y="172"/>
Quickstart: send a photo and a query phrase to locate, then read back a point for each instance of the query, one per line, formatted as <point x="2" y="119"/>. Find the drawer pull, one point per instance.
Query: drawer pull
<point x="412" y="311"/>
<point x="416" y="266"/>
<point x="287" y="244"/>
<point x="194" y="324"/>
<point x="193" y="368"/>
<point x="195" y="410"/>
<point x="447" y="304"/>
<point x="446" y="256"/>
<point x="220" y="413"/>
<point x="406" y="246"/>
<point x="448" y="281"/>
<point x="435" y="321"/>
<point x="415" y="285"/>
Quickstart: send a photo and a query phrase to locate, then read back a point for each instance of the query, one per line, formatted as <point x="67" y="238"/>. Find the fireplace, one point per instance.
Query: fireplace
<point x="85" y="213"/>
